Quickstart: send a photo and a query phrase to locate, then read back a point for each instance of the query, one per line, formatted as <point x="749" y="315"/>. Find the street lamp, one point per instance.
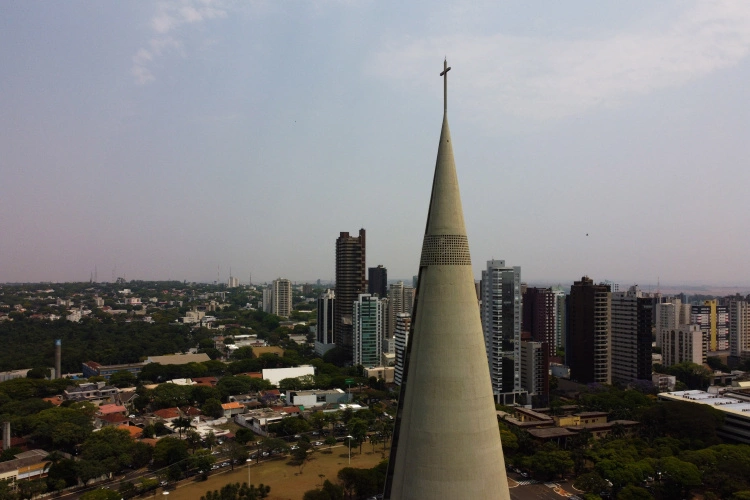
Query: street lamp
<point x="249" y="463"/>
<point x="349" y="438"/>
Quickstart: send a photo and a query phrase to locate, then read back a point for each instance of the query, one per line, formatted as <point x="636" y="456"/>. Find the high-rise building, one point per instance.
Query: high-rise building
<point x="539" y="316"/>
<point x="281" y="298"/>
<point x="324" y="336"/>
<point x="631" y="315"/>
<point x="401" y="336"/>
<point x="268" y="299"/>
<point x="445" y="441"/>
<point x="400" y="300"/>
<point x="535" y="368"/>
<point x="561" y="318"/>
<point x="377" y="281"/>
<point x="501" y="323"/>
<point x="714" y="323"/>
<point x="587" y="349"/>
<point x="350" y="283"/>
<point x="683" y="344"/>
<point x="234" y="282"/>
<point x="669" y="314"/>
<point x="369" y="320"/>
<point x="739" y="329"/>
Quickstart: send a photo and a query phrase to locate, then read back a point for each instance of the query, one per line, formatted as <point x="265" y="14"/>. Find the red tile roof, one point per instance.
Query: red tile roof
<point x="167" y="413"/>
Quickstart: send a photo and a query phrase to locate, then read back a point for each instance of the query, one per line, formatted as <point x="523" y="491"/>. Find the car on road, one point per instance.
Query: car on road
<point x="318" y="443"/>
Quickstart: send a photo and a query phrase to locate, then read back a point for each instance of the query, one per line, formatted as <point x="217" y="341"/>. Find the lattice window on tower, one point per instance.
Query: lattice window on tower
<point x="445" y="250"/>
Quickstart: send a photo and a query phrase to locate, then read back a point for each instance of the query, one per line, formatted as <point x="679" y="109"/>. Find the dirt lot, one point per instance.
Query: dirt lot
<point x="285" y="480"/>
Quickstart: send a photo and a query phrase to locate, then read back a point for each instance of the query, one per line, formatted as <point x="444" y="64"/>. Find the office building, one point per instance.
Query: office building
<point x="377" y="281"/>
<point x="631" y="316"/>
<point x="501" y="323"/>
<point x="369" y="320"/>
<point x="587" y="350"/>
<point x="350" y="283"/>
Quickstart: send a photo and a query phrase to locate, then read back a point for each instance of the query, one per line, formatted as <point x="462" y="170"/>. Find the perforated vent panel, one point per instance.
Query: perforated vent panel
<point x="445" y="250"/>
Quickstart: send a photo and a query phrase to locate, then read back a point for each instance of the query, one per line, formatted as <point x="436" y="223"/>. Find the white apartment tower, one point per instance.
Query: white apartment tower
<point x="281" y="297"/>
<point x="324" y="340"/>
<point x="401" y="335"/>
<point x="684" y="344"/>
<point x="400" y="300"/>
<point x="501" y="323"/>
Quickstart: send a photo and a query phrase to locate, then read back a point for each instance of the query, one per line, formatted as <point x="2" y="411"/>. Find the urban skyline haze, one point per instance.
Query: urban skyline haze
<point x="167" y="140"/>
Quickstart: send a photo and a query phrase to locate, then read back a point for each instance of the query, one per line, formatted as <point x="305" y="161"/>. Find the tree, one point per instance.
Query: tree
<point x="237" y="453"/>
<point x="101" y="494"/>
<point x="39" y="373"/>
<point x="590" y="482"/>
<point x="330" y="441"/>
<point x="329" y="491"/>
<point x="290" y="426"/>
<point x="210" y="440"/>
<point x="679" y="477"/>
<point x="632" y="492"/>
<point x="301" y="454"/>
<point x="181" y="424"/>
<point x="551" y="462"/>
<point x="243" y="435"/>
<point x="169" y="451"/>
<point x="212" y="408"/>
<point x="358" y="430"/>
<point x="193" y="439"/>
<point x="203" y="460"/>
<point x="123" y="379"/>
<point x="110" y="448"/>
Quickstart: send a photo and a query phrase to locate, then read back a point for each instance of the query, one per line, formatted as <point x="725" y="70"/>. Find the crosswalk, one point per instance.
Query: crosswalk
<point x="527" y="481"/>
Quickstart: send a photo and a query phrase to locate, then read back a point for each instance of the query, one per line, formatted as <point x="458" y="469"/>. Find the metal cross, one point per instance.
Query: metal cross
<point x="444" y="74"/>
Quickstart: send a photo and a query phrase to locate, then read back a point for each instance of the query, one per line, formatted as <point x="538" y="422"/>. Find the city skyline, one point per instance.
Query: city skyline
<point x="179" y="139"/>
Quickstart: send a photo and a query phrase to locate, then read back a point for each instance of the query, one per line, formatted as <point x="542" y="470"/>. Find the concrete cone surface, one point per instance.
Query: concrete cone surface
<point x="447" y="444"/>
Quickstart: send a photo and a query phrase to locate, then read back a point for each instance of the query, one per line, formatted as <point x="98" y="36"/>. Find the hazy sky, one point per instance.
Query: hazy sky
<point x="168" y="139"/>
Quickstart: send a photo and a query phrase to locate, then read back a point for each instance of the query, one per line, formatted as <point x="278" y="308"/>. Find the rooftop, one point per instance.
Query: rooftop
<point x="720" y="402"/>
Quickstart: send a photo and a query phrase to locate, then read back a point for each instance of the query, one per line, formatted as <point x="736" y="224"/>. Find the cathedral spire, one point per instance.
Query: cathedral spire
<point x="446" y="442"/>
<point x="444" y="74"/>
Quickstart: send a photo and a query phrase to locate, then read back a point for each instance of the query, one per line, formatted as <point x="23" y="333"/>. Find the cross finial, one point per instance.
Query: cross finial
<point x="444" y="74"/>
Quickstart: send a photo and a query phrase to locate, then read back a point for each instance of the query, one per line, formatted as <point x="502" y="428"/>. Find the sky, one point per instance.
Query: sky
<point x="182" y="139"/>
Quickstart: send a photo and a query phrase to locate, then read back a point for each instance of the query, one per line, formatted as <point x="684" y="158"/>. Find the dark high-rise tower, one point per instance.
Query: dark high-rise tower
<point x="377" y="281"/>
<point x="632" y="315"/>
<point x="539" y="316"/>
<point x="350" y="282"/>
<point x="446" y="443"/>
<point x="588" y="347"/>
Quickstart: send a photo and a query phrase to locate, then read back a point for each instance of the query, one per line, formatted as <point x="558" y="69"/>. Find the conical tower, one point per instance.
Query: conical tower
<point x="446" y="443"/>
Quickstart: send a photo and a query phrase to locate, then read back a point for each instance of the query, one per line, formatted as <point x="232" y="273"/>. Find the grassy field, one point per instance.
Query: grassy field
<point x="285" y="480"/>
